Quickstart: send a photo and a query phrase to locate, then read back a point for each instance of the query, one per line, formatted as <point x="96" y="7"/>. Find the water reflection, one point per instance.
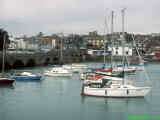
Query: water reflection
<point x="59" y="98"/>
<point x="118" y="104"/>
<point x="11" y="86"/>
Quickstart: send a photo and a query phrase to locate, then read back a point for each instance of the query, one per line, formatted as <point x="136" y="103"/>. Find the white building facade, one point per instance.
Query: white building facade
<point x="118" y="51"/>
<point x="17" y="43"/>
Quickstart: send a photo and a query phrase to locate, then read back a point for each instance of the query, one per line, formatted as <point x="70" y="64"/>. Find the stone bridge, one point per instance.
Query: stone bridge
<point x="19" y="60"/>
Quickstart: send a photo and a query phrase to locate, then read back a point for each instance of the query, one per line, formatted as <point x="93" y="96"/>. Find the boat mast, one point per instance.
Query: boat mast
<point x="3" y="62"/>
<point x="61" y="47"/>
<point x="112" y="27"/>
<point x="104" y="44"/>
<point x="123" y="41"/>
<point x="61" y="50"/>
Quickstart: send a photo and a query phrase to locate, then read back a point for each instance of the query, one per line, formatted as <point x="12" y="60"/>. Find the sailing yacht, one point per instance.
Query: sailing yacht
<point x="140" y="63"/>
<point x="108" y="89"/>
<point x="4" y="80"/>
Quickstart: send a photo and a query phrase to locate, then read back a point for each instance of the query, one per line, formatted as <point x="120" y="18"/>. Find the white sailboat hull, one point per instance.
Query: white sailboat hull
<point x="126" y="69"/>
<point x="139" y="67"/>
<point x="119" y="92"/>
<point x="75" y="67"/>
<point x="58" y="74"/>
<point x="58" y="71"/>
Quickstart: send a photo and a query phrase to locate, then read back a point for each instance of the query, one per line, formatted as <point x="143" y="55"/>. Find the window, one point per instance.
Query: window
<point x="116" y="52"/>
<point x="94" y="85"/>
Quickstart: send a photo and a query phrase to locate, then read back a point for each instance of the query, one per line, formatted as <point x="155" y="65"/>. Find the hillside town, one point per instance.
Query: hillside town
<point x="92" y="43"/>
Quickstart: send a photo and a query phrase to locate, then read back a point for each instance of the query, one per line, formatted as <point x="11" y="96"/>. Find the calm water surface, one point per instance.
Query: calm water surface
<point x="59" y="99"/>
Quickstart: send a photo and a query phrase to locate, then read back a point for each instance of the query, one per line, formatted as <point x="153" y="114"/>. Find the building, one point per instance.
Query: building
<point x="48" y="42"/>
<point x="94" y="41"/>
<point x="118" y="51"/>
<point x="32" y="43"/>
<point x="98" y="52"/>
<point x="17" y="43"/>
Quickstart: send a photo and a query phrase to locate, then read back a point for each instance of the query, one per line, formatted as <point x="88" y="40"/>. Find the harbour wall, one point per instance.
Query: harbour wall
<point x="20" y="60"/>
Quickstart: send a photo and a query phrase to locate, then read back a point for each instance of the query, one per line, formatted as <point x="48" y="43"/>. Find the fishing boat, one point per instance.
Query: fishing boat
<point x="108" y="89"/>
<point x="59" y="71"/>
<point x="26" y="76"/>
<point x="5" y="80"/>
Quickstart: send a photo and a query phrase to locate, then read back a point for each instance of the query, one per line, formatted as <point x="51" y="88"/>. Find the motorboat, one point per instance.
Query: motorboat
<point x="26" y="76"/>
<point x="58" y="71"/>
<point x="79" y="66"/>
<point x="75" y="67"/>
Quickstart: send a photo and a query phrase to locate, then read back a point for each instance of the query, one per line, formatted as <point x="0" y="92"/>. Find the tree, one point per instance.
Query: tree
<point x="4" y="35"/>
<point x="40" y="34"/>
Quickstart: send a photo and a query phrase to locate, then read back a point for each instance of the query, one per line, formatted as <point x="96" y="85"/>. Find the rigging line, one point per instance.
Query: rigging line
<point x="106" y="30"/>
<point x="104" y="40"/>
<point x="145" y="71"/>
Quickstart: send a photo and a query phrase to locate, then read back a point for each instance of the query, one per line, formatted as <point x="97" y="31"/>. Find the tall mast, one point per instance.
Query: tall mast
<point x="3" y="62"/>
<point x="104" y="44"/>
<point x="123" y="40"/>
<point x="112" y="27"/>
<point x="62" y="37"/>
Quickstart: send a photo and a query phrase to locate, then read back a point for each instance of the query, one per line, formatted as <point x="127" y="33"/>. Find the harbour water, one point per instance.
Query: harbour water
<point x="58" y="98"/>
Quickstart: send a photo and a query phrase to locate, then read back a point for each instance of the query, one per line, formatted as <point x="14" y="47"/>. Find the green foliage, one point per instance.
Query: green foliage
<point x="4" y="36"/>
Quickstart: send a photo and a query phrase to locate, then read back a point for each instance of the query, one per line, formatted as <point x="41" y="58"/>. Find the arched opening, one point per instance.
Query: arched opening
<point x="7" y="66"/>
<point x="55" y="60"/>
<point x="30" y="63"/>
<point x="18" y="64"/>
<point x="47" y="61"/>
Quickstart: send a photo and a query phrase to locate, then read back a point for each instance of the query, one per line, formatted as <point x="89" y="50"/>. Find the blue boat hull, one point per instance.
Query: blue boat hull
<point x="27" y="78"/>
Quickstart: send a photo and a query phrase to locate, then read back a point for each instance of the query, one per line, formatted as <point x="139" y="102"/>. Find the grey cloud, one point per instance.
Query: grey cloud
<point x="78" y="16"/>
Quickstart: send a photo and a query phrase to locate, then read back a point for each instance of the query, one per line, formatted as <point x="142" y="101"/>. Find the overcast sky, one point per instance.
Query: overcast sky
<point x="29" y="17"/>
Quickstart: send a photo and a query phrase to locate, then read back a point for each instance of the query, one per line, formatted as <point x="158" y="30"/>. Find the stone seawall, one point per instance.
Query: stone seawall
<point x="20" y="60"/>
<point x="108" y="58"/>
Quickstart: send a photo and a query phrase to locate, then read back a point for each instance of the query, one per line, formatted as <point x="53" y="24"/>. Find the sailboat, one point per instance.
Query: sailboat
<point x="108" y="89"/>
<point x="3" y="79"/>
<point x="60" y="71"/>
<point x="140" y="63"/>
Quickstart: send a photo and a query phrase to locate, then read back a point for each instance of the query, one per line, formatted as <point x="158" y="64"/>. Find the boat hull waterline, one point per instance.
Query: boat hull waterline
<point x="58" y="74"/>
<point x="27" y="77"/>
<point x="6" y="81"/>
<point x="119" y="92"/>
